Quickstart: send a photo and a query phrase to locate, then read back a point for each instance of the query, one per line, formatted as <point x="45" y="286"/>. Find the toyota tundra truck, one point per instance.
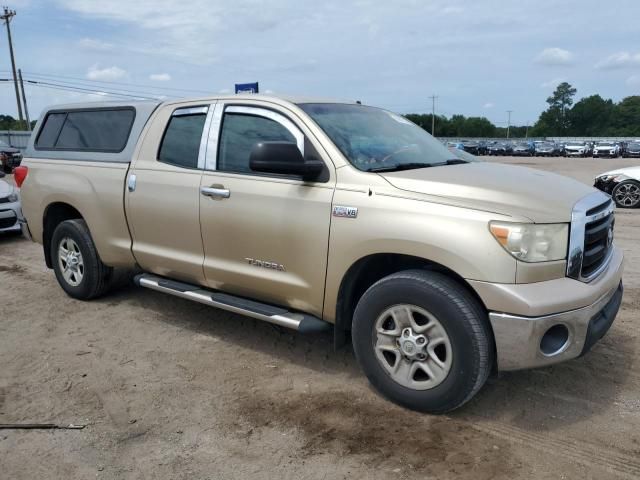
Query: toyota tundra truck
<point x="322" y="215"/>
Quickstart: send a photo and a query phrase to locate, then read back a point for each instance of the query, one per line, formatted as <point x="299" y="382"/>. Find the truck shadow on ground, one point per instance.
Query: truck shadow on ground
<point x="542" y="399"/>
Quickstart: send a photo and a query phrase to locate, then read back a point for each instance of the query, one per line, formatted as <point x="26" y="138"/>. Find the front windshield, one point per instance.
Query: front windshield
<point x="575" y="144"/>
<point x="605" y="144"/>
<point x="375" y="139"/>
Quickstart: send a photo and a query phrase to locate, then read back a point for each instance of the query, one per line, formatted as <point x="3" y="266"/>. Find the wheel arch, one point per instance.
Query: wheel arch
<point x="54" y="214"/>
<point x="368" y="270"/>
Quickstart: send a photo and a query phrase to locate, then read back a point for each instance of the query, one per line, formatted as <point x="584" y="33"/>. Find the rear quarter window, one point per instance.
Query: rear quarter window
<point x="99" y="130"/>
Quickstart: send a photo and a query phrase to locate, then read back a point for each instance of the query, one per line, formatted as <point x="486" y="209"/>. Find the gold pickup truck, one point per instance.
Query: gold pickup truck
<point x="315" y="215"/>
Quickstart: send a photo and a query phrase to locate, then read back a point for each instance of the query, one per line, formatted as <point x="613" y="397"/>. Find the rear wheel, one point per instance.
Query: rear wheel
<point x="627" y="194"/>
<point x="423" y="341"/>
<point x="76" y="262"/>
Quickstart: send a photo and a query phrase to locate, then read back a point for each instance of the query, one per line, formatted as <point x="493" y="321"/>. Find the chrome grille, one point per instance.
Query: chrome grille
<point x="590" y="243"/>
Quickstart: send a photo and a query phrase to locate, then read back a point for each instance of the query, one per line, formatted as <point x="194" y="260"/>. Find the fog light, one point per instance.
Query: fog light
<point x="554" y="340"/>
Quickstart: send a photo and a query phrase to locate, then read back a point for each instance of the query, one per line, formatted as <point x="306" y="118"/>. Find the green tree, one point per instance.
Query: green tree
<point x="626" y="117"/>
<point x="591" y="116"/>
<point x="555" y="119"/>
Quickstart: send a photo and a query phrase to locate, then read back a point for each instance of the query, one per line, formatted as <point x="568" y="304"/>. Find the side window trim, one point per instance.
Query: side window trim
<point x="211" y="162"/>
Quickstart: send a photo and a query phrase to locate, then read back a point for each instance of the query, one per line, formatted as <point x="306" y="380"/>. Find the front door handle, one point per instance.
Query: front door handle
<point x="215" y="192"/>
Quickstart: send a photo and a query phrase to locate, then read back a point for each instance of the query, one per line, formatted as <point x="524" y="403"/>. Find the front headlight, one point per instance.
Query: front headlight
<point x="532" y="242"/>
<point x="13" y="197"/>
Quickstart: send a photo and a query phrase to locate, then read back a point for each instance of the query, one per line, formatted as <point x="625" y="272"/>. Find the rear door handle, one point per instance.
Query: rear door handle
<point x="215" y="192"/>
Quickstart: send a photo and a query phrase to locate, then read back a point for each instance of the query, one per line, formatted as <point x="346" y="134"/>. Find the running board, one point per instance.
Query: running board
<point x="278" y="316"/>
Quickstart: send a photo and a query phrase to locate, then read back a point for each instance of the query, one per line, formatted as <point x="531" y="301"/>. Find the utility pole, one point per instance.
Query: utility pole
<point x="8" y="14"/>
<point x="24" y="100"/>
<point x="433" y="114"/>
<point x="508" y="122"/>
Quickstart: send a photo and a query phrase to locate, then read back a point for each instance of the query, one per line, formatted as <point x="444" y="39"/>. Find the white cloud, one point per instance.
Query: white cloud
<point x="488" y="105"/>
<point x="452" y="10"/>
<point x="552" y="83"/>
<point x="106" y="74"/>
<point x="633" y="81"/>
<point x="160" y="77"/>
<point x="619" y="60"/>
<point x="95" y="45"/>
<point x="554" y="56"/>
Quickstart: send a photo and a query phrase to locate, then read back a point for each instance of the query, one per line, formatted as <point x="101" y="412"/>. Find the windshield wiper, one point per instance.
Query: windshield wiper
<point x="400" y="166"/>
<point x="453" y="161"/>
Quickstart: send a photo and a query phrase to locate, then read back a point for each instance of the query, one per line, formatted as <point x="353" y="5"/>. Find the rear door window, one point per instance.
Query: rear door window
<point x="181" y="143"/>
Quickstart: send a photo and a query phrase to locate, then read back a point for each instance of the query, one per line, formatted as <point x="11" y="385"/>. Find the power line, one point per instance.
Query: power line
<point x="86" y="90"/>
<point x="57" y="86"/>
<point x="77" y="79"/>
<point x="93" y="87"/>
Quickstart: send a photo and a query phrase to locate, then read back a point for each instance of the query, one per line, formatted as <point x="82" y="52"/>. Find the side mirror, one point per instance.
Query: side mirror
<point x="283" y="158"/>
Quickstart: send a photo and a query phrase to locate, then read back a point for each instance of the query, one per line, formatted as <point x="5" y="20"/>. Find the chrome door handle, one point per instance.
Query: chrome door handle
<point x="214" y="192"/>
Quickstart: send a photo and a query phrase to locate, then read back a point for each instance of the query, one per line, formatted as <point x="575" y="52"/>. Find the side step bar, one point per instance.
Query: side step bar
<point x="279" y="316"/>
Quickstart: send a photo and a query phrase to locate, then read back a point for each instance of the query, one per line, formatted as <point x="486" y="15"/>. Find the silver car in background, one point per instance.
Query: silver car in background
<point x="10" y="210"/>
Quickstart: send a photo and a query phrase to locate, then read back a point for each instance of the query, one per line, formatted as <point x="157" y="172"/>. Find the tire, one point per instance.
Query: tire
<point x="469" y="352"/>
<point x="93" y="278"/>
<point x="627" y="194"/>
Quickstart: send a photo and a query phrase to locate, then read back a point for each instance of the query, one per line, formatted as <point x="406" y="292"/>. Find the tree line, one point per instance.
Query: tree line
<point x="591" y="116"/>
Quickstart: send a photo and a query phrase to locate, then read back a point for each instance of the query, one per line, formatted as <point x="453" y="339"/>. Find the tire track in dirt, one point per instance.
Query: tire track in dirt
<point x="579" y="451"/>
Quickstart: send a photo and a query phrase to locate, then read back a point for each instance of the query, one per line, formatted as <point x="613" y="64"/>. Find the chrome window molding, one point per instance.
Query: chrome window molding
<point x="189" y="111"/>
<point x="202" y="152"/>
<point x="211" y="162"/>
<point x="579" y="221"/>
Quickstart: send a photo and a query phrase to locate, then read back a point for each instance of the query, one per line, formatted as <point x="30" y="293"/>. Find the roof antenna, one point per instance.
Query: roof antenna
<point x="358" y="102"/>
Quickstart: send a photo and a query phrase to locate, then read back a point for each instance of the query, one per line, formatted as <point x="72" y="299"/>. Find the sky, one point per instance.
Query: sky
<point x="480" y="58"/>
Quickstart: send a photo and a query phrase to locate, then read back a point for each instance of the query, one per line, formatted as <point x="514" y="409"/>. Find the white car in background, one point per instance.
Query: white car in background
<point x="606" y="149"/>
<point x="10" y="210"/>
<point x="622" y="184"/>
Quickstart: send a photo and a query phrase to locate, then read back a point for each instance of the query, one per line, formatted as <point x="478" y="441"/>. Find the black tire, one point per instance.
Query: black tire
<point x="464" y="320"/>
<point x="96" y="275"/>
<point x="626" y="184"/>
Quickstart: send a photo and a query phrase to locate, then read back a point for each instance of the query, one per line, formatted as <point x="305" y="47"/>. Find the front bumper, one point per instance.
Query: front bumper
<point x="521" y="315"/>
<point x="528" y="342"/>
<point x="10" y="213"/>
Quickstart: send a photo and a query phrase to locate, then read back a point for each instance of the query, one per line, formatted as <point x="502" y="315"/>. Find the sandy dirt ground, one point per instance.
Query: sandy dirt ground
<point x="172" y="389"/>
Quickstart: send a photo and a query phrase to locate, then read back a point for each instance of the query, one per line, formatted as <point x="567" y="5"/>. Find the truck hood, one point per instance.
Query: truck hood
<point x="540" y="196"/>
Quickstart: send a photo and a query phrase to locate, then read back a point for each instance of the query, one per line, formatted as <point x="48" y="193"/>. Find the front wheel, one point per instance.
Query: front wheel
<point x="423" y="340"/>
<point x="627" y="194"/>
<point x="76" y="262"/>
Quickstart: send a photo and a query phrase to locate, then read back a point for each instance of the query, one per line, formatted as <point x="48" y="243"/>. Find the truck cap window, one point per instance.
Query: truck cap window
<point x="100" y="130"/>
<point x="240" y="133"/>
<point x="373" y="139"/>
<point x="181" y="143"/>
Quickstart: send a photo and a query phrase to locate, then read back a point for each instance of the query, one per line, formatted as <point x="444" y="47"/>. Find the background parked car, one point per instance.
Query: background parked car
<point x="482" y="147"/>
<point x="523" y="149"/>
<point x="623" y="185"/>
<point x="10" y="157"/>
<point x="9" y="207"/>
<point x="576" y="149"/>
<point x="632" y="149"/>
<point x="470" y="146"/>
<point x="546" y="149"/>
<point x="606" y="149"/>
<point x="499" y="148"/>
